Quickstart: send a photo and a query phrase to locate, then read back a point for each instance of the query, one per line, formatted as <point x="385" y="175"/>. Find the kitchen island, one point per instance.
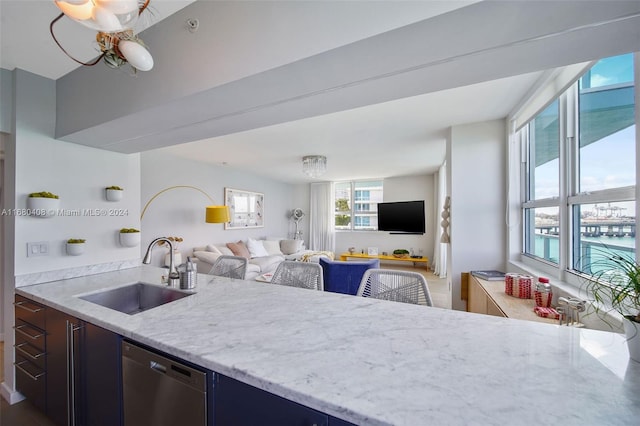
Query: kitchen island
<point x="375" y="362"/>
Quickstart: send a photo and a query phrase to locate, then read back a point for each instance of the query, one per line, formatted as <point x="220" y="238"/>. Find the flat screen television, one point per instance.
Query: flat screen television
<point x="405" y="217"/>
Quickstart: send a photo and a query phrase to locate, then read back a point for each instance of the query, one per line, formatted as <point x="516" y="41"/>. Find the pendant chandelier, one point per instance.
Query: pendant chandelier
<point x="114" y="21"/>
<point x="314" y="165"/>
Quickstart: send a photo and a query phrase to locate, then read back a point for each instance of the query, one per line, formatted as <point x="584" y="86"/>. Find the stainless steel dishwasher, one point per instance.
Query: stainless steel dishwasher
<point x="159" y="391"/>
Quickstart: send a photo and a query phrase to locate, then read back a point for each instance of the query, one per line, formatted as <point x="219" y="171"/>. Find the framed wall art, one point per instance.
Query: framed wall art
<point x="245" y="207"/>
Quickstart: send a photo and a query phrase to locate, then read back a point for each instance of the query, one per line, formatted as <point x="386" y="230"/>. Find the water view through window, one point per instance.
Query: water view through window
<point x="599" y="170"/>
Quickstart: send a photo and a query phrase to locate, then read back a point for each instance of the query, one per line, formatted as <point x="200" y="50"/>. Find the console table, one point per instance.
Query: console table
<point x="489" y="298"/>
<point x="416" y="260"/>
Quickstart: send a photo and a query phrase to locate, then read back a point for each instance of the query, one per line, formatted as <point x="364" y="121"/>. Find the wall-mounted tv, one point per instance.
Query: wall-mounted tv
<point x="405" y="217"/>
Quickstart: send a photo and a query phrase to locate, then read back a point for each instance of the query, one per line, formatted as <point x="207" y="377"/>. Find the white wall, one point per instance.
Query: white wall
<point x="477" y="156"/>
<point x="404" y="188"/>
<point x="6" y="106"/>
<point x="77" y="174"/>
<point x="180" y="212"/>
<point x="35" y="162"/>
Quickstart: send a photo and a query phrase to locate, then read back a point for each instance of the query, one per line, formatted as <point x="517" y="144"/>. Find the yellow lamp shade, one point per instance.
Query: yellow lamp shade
<point x="217" y="214"/>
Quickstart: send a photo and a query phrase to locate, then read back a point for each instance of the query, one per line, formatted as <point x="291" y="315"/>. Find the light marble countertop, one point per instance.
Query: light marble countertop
<point x="376" y="362"/>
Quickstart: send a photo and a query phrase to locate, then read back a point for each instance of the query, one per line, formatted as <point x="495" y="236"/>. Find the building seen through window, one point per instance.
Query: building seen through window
<point x="356" y="205"/>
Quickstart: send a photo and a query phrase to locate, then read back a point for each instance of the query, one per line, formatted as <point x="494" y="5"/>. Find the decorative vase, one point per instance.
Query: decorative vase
<point x="632" y="332"/>
<point x="42" y="207"/>
<point x="177" y="258"/>
<point x="75" y="249"/>
<point x="114" y="194"/>
<point x="129" y="239"/>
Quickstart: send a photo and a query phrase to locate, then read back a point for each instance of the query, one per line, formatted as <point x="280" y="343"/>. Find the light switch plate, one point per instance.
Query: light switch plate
<point x="40" y="248"/>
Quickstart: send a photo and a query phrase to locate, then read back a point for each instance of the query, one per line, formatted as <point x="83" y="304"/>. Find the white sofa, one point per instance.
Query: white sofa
<point x="263" y="255"/>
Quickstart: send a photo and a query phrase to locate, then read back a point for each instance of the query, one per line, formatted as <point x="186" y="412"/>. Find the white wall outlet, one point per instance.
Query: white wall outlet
<point x="40" y="248"/>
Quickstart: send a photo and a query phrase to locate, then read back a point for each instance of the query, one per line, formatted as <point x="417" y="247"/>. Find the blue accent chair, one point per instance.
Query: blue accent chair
<point x="345" y="276"/>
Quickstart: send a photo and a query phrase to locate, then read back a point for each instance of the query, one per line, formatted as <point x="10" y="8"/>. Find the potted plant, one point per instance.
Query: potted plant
<point x="75" y="246"/>
<point x="43" y="204"/>
<point x="401" y="253"/>
<point x="129" y="237"/>
<point x="114" y="193"/>
<point x="615" y="286"/>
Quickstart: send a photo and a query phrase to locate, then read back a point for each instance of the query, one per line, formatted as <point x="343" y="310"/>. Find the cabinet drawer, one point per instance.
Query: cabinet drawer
<point x="26" y="332"/>
<point x="30" y="381"/>
<point x="30" y="352"/>
<point x="30" y="311"/>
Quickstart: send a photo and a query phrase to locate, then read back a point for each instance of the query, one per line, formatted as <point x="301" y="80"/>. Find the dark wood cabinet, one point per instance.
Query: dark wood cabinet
<point x="84" y="386"/>
<point x="30" y="351"/>
<point x="101" y="387"/>
<point x="62" y="375"/>
<point x="77" y="378"/>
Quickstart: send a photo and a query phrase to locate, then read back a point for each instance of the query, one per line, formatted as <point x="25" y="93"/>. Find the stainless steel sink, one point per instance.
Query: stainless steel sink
<point x="135" y="298"/>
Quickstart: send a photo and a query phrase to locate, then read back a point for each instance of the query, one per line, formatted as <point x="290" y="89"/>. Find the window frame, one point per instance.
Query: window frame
<point x="569" y="118"/>
<point x="353" y="212"/>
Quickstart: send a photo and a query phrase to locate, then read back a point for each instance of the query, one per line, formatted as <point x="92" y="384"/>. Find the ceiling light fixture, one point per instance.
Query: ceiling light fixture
<point x="114" y="21"/>
<point x="314" y="165"/>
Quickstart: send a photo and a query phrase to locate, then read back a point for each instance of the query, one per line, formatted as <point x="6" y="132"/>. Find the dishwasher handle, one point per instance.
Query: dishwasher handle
<point x="154" y="365"/>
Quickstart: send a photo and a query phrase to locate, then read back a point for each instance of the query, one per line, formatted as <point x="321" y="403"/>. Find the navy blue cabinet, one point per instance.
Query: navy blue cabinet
<point x="237" y="403"/>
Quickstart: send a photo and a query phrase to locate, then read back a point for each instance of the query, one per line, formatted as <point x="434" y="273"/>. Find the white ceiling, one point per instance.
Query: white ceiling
<point x="394" y="138"/>
<point x="403" y="137"/>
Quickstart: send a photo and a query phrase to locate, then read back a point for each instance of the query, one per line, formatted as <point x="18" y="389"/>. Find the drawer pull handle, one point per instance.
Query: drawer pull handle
<point x="31" y="353"/>
<point x="19" y="328"/>
<point x="25" y="306"/>
<point x="18" y="365"/>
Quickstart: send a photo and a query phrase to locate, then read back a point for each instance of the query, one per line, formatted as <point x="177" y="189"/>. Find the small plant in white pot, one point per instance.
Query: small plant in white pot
<point x="75" y="246"/>
<point x="43" y="204"/>
<point x="129" y="237"/>
<point x="114" y="193"/>
<point x="615" y="286"/>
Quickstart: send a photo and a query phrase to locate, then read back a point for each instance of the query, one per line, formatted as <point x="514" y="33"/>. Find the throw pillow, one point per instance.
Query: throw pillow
<point x="256" y="249"/>
<point x="272" y="247"/>
<point x="213" y="249"/>
<point x="207" y="256"/>
<point x="225" y="250"/>
<point x="239" y="249"/>
<point x="290" y="246"/>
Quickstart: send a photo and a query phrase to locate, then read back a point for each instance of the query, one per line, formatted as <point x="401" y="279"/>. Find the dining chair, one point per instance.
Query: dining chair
<point x="394" y="285"/>
<point x="230" y="267"/>
<point x="345" y="276"/>
<point x="299" y="274"/>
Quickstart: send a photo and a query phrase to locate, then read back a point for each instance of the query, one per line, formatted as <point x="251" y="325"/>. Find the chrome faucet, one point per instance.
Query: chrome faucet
<point x="173" y="272"/>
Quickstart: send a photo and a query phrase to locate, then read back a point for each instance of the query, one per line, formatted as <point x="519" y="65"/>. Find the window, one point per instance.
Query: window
<point x="541" y="212"/>
<point x="544" y="150"/>
<point x="356" y="205"/>
<point x="580" y="171"/>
